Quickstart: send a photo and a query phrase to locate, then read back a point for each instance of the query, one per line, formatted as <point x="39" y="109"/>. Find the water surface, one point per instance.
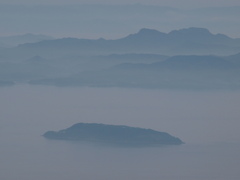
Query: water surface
<point x="208" y="122"/>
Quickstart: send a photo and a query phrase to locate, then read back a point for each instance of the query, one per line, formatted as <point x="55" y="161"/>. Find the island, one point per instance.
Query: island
<point x="118" y="135"/>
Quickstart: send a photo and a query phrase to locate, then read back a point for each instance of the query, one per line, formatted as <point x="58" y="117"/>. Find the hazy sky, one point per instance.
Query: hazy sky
<point x="172" y="3"/>
<point x="61" y="18"/>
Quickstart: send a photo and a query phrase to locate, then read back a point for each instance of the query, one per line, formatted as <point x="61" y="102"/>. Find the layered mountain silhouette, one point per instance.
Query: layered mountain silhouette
<point x="185" y="41"/>
<point x="11" y="41"/>
<point x="191" y="58"/>
<point x="177" y="72"/>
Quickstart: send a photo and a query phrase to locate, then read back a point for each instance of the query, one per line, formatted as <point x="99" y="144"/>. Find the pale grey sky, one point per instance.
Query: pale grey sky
<point x="76" y="20"/>
<point x="171" y="3"/>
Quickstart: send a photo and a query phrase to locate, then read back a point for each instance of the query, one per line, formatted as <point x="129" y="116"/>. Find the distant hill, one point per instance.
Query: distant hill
<point x="6" y="83"/>
<point x="177" y="72"/>
<point x="36" y="59"/>
<point x="184" y="62"/>
<point x="11" y="41"/>
<point x="195" y="63"/>
<point x="32" y="68"/>
<point x="234" y="58"/>
<point x="198" y="41"/>
<point x="133" y="57"/>
<point x="191" y="58"/>
<point x="114" y="135"/>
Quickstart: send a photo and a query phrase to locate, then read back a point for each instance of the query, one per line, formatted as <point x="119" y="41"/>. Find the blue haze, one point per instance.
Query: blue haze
<point x="113" y="21"/>
<point x="207" y="121"/>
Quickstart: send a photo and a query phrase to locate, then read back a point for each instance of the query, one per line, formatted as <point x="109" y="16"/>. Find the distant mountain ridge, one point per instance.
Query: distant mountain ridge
<point x="177" y="72"/>
<point x="10" y="41"/>
<point x="191" y="58"/>
<point x="184" y="41"/>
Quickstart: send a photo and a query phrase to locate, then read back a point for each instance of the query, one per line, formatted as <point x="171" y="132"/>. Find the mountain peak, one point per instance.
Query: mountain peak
<point x="149" y="32"/>
<point x="191" y="31"/>
<point x="146" y="30"/>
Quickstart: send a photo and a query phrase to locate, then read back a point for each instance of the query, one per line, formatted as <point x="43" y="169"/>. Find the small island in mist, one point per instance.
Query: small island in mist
<point x="117" y="135"/>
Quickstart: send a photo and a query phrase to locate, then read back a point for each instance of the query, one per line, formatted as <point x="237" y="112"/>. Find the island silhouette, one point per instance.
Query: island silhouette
<point x="119" y="135"/>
